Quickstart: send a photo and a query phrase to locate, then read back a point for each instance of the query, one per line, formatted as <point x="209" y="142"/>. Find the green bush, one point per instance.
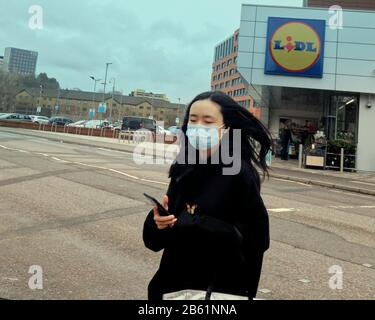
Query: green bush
<point x="334" y="146"/>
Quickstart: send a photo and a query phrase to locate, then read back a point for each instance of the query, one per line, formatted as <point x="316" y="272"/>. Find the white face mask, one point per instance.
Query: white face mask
<point x="203" y="137"/>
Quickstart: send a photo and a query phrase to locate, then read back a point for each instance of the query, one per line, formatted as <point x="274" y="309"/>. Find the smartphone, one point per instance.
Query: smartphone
<point x="155" y="203"/>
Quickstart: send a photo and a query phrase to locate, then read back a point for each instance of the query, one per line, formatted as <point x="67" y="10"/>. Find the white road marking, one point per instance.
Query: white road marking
<point x="304" y="280"/>
<point x="278" y="210"/>
<point x="342" y="207"/>
<point x="352" y="207"/>
<point x="90" y="165"/>
<point x="60" y="160"/>
<point x="367" y="265"/>
<point x="10" y="279"/>
<point x="4" y="147"/>
<point x="265" y="291"/>
<point x="124" y="174"/>
<point x="64" y="161"/>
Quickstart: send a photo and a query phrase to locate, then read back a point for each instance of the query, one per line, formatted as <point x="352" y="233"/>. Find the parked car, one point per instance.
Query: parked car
<point x="160" y="129"/>
<point x="168" y="135"/>
<point x="175" y="130"/>
<point x="78" y="124"/>
<point x="15" y="117"/>
<point x="96" y="124"/>
<point x="9" y="116"/>
<point x="138" y="123"/>
<point x="116" y="126"/>
<point x="24" y="117"/>
<point x="60" y="121"/>
<point x="40" y="119"/>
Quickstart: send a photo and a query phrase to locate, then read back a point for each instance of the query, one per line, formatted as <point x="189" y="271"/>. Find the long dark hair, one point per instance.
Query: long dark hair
<point x="237" y="117"/>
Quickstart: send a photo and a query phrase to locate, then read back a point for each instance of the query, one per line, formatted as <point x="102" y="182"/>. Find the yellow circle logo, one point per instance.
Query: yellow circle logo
<point x="295" y="46"/>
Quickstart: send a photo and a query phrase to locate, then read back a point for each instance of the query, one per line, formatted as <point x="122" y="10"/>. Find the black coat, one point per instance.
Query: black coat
<point x="205" y="244"/>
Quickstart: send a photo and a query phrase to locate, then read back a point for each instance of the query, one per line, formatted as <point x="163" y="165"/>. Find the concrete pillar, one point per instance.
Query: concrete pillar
<point x="366" y="133"/>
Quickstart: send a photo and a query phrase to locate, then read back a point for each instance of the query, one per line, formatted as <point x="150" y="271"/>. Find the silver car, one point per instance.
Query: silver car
<point x="40" y="119"/>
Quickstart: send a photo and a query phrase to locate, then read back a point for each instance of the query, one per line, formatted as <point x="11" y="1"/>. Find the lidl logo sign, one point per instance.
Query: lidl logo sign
<point x="295" y="47"/>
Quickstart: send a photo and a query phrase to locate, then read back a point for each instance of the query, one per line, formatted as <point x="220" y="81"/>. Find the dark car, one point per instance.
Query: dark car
<point x="138" y="123"/>
<point x="60" y="121"/>
<point x="15" y="117"/>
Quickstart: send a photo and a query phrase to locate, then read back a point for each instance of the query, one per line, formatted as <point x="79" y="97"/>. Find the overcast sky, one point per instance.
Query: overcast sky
<point x="163" y="46"/>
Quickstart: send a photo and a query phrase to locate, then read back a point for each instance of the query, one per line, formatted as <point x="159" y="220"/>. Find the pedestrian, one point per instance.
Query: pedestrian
<point x="286" y="138"/>
<point x="218" y="229"/>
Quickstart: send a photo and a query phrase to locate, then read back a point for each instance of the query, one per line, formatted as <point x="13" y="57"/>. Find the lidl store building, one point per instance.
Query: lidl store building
<point x="310" y="65"/>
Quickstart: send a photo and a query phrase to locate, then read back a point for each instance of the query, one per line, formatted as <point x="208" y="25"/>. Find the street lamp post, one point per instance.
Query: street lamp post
<point x="57" y="107"/>
<point x="178" y="112"/>
<point x="40" y="98"/>
<point x="94" y="92"/>
<point x="113" y="80"/>
<point x="105" y="79"/>
<point x="152" y="105"/>
<point x="122" y="95"/>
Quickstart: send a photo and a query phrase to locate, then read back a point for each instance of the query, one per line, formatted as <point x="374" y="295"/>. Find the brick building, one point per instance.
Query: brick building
<point x="77" y="104"/>
<point x="225" y="76"/>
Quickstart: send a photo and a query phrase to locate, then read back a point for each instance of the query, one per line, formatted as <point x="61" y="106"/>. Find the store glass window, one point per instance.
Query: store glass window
<point x="342" y="117"/>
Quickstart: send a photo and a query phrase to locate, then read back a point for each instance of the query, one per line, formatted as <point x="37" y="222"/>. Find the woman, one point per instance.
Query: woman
<point x="218" y="230"/>
<point x="286" y="137"/>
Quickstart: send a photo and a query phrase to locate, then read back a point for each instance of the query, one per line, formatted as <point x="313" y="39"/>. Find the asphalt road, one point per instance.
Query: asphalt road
<point x="78" y="213"/>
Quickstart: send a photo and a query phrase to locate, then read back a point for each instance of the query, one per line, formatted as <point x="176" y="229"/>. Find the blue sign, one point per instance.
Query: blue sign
<point x="102" y="108"/>
<point x="92" y="113"/>
<point x="295" y="47"/>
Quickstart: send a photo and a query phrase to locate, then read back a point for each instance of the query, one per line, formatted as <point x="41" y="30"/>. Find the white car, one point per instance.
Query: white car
<point x="78" y="124"/>
<point x="40" y="119"/>
<point x="96" y="124"/>
<point x="160" y="129"/>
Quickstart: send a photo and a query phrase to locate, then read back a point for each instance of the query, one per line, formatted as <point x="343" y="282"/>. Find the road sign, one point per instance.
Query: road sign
<point x="102" y="108"/>
<point x="92" y="113"/>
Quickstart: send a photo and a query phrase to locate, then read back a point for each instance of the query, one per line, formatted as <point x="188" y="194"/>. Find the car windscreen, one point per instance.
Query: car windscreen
<point x="134" y="124"/>
<point x="148" y="124"/>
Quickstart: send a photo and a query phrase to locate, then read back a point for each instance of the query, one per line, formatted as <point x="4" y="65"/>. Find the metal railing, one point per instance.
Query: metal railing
<point x="342" y="156"/>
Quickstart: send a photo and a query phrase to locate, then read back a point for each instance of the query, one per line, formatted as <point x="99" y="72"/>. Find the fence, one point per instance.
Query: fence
<point x="332" y="160"/>
<point x="133" y="136"/>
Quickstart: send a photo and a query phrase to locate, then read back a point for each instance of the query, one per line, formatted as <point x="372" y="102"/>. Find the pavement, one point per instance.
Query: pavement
<point x="359" y="182"/>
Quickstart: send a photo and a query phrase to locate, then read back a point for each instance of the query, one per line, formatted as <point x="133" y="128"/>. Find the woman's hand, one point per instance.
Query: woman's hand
<point x="164" y="222"/>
